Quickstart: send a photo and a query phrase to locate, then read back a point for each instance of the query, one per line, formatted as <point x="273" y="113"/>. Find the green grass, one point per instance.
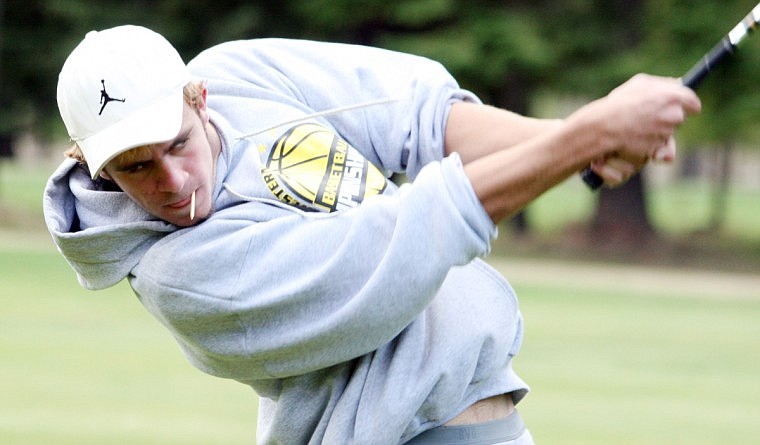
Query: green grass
<point x="83" y="367"/>
<point x="627" y="368"/>
<point x="22" y="185"/>
<point x="675" y="209"/>
<point x="686" y="206"/>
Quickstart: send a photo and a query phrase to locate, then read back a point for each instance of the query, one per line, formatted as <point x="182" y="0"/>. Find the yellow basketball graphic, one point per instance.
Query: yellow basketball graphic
<point x="312" y="167"/>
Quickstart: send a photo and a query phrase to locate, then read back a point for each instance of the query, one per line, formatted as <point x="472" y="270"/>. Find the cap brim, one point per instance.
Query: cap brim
<point x="159" y="122"/>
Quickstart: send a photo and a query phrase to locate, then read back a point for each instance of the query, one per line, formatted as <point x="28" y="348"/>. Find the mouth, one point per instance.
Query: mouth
<point x="181" y="204"/>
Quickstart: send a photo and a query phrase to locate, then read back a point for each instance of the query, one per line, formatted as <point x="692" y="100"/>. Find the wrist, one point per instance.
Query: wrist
<point x="589" y="134"/>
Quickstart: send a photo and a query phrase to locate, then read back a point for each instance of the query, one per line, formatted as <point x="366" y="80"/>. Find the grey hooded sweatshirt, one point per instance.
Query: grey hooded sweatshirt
<point x="359" y="311"/>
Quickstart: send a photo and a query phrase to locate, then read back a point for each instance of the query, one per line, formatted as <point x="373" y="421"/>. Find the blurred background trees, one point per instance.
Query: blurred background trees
<point x="532" y="57"/>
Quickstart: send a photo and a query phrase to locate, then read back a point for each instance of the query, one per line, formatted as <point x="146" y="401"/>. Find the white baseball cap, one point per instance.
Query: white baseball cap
<point x="119" y="89"/>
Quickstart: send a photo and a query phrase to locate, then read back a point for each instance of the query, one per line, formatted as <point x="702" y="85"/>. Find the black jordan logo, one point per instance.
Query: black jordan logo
<point x="105" y="98"/>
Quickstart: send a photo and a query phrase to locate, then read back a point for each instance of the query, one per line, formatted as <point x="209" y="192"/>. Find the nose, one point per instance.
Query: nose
<point x="171" y="176"/>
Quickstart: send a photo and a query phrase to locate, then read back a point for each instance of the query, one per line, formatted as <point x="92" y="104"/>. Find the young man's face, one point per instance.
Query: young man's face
<point x="162" y="177"/>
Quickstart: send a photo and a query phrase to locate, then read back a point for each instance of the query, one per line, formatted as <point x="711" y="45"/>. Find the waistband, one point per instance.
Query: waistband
<point x="495" y="431"/>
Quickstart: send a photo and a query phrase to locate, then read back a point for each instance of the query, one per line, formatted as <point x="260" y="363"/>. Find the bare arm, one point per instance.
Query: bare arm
<point x="511" y="160"/>
<point x="493" y="129"/>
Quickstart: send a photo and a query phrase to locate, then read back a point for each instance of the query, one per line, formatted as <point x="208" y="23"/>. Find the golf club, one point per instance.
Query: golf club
<point x="699" y="71"/>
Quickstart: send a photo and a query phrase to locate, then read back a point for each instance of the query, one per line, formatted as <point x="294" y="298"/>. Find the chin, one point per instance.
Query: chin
<point x="184" y="221"/>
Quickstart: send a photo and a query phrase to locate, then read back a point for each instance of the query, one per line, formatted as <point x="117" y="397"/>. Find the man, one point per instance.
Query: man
<point x="245" y="199"/>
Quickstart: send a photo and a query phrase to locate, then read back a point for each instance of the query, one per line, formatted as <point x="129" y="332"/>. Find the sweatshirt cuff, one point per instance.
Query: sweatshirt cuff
<point x="461" y="190"/>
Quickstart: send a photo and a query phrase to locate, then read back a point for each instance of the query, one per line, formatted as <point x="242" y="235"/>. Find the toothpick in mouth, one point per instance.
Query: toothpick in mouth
<point x="192" y="206"/>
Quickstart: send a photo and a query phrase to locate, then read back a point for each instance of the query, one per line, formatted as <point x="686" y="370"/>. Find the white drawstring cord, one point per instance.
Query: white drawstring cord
<point x="322" y="114"/>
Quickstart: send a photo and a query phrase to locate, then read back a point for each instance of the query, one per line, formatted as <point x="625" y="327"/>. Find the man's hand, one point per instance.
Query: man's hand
<point x="639" y="120"/>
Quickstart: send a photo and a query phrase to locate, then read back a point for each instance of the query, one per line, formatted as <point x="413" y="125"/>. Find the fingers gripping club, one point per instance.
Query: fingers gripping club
<point x="694" y="77"/>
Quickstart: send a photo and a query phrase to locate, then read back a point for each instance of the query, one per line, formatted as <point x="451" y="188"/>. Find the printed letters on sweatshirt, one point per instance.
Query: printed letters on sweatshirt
<point x="313" y="168"/>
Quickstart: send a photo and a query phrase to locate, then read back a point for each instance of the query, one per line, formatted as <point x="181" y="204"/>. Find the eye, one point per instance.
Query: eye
<point x="135" y="168"/>
<point x="179" y="145"/>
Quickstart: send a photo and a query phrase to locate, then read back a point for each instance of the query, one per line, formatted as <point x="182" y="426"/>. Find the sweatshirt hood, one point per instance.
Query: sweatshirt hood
<point x="103" y="237"/>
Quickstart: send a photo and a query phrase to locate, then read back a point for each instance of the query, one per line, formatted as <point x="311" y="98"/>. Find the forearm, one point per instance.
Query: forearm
<point x="475" y="130"/>
<point x="507" y="180"/>
<point x="511" y="159"/>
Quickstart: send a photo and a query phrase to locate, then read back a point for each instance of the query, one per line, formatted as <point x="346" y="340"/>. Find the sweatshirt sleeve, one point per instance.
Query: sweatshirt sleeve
<point x="297" y="292"/>
<point x="412" y="95"/>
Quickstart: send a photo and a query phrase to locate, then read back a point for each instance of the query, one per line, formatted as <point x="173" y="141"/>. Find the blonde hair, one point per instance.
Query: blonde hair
<point x="192" y="93"/>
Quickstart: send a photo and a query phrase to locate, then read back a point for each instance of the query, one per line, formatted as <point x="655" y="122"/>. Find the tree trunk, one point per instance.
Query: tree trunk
<point x="621" y="216"/>
<point x="722" y="175"/>
<point x="621" y="213"/>
<point x="514" y="95"/>
<point x="6" y="152"/>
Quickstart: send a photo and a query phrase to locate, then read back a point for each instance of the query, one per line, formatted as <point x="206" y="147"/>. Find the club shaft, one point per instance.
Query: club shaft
<point x="694" y="77"/>
<point x="723" y="49"/>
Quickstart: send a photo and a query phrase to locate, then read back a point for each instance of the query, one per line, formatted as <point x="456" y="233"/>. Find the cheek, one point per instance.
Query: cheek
<point x="201" y="162"/>
<point x="141" y="189"/>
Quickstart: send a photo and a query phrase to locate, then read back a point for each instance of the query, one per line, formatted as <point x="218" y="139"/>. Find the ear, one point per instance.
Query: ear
<point x="105" y="175"/>
<point x="200" y="104"/>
